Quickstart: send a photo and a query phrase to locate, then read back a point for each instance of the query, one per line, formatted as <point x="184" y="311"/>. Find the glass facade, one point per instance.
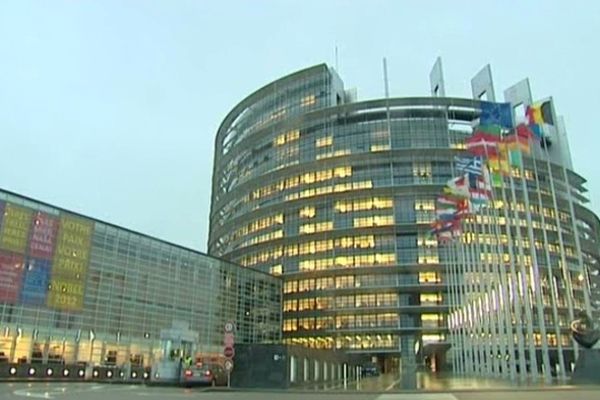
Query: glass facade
<point x="74" y="289"/>
<point x="336" y="196"/>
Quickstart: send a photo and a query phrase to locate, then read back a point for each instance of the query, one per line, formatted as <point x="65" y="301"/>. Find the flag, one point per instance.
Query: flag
<point x="482" y="144"/>
<point x="534" y="115"/>
<point x="525" y="132"/>
<point x="464" y="208"/>
<point x="516" y="142"/>
<point x="444" y="226"/>
<point x="447" y="202"/>
<point x="515" y="158"/>
<point x="496" y="179"/>
<point x="546" y="109"/>
<point x="444" y="237"/>
<point x="540" y="113"/>
<point x="489" y="129"/>
<point x="471" y="165"/>
<point x="496" y="114"/>
<point x="499" y="161"/>
<point x="537" y="131"/>
<point x="458" y="187"/>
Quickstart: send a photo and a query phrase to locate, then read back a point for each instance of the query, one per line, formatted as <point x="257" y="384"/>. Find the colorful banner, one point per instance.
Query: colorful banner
<point x="11" y="276"/>
<point x="35" y="282"/>
<point x="15" y="228"/>
<point x="71" y="259"/>
<point x="43" y="236"/>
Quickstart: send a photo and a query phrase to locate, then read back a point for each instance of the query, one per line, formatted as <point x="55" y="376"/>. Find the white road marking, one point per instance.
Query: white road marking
<point x="61" y="391"/>
<point x="417" y="396"/>
<point x="29" y="393"/>
<point x="387" y="389"/>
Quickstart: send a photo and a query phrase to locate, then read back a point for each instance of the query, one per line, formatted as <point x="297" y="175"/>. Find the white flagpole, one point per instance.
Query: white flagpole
<point x="534" y="274"/>
<point x="563" y="261"/>
<point x="550" y="274"/>
<point x="504" y="289"/>
<point x="512" y="288"/>
<point x="586" y="281"/>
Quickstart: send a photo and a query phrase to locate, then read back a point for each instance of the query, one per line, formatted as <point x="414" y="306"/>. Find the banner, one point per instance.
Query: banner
<point x="11" y="276"/>
<point x="15" y="228"/>
<point x="43" y="236"/>
<point x="70" y="263"/>
<point x="35" y="282"/>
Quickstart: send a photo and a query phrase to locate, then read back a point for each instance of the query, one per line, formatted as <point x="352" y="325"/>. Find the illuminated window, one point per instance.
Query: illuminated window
<point x="342" y="172"/>
<point x="290" y="305"/>
<point x="276" y="270"/>
<point x="429" y="277"/>
<point x="308" y="100"/>
<point x="287" y="137"/>
<point x="324" y="141"/>
<point x="307" y="212"/>
<point x="376" y="220"/>
<point x="422" y="171"/>
<point x="290" y="325"/>
<point x="430" y="298"/>
<point x="431" y="320"/>
<point x="380" y="147"/>
<point x="316" y="227"/>
<point x="290" y="287"/>
<point x="434" y="338"/>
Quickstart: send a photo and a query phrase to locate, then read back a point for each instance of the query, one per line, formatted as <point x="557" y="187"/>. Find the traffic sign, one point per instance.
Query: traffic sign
<point x="228" y="365"/>
<point x="229" y="327"/>
<point x="228" y="352"/>
<point x="228" y="340"/>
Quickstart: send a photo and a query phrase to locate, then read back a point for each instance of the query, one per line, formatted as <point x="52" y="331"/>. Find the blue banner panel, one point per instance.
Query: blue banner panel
<point x="36" y="281"/>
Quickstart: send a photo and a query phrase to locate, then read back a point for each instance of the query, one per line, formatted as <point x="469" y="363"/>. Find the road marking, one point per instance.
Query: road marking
<point x="387" y="389"/>
<point x="417" y="396"/>
<point x="29" y="393"/>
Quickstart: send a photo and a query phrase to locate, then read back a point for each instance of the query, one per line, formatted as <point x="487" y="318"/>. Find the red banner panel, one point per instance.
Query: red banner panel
<point x="11" y="276"/>
<point x="43" y="237"/>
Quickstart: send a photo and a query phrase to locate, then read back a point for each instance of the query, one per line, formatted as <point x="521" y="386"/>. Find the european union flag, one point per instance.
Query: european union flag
<point x="496" y="114"/>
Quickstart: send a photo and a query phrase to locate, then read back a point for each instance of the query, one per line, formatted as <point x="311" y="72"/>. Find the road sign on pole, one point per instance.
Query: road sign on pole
<point x="228" y="340"/>
<point x="228" y="352"/>
<point x="228" y="365"/>
<point x="229" y="327"/>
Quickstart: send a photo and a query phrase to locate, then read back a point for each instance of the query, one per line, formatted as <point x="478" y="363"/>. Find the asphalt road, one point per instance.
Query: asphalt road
<point x="90" y="391"/>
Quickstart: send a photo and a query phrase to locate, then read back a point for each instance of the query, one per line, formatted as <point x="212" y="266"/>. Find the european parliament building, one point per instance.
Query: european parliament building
<point x="75" y="291"/>
<point x="337" y="196"/>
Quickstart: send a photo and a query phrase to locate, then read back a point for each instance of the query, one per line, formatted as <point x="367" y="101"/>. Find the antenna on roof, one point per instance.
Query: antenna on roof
<point x="336" y="59"/>
<point x="385" y="79"/>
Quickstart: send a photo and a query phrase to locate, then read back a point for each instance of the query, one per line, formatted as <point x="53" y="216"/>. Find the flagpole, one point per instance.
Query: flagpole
<point x="584" y="272"/>
<point x="483" y="268"/>
<point x="515" y="301"/>
<point x="506" y="303"/>
<point x="494" y="330"/>
<point x="553" y="293"/>
<point x="534" y="272"/>
<point x="563" y="261"/>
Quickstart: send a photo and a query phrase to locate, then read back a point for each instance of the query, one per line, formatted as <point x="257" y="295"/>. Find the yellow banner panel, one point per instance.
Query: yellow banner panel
<point x="70" y="264"/>
<point x="15" y="228"/>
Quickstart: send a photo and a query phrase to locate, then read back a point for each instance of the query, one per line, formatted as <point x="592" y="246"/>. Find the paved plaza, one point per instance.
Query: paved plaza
<point x="91" y="391"/>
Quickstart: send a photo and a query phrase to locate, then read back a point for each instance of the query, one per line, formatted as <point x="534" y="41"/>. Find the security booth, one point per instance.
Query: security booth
<point x="178" y="351"/>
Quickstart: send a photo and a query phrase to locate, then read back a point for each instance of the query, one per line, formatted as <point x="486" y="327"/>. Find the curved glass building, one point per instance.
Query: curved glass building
<point x="337" y="196"/>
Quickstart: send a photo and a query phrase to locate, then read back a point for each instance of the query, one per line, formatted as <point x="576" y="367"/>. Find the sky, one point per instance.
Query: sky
<point x="110" y="108"/>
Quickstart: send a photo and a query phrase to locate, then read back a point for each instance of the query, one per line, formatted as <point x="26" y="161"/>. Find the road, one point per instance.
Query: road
<point x="91" y="391"/>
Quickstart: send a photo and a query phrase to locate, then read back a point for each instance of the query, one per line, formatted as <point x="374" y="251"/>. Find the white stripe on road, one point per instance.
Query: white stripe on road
<point x="417" y="396"/>
<point x="387" y="389"/>
<point x="29" y="393"/>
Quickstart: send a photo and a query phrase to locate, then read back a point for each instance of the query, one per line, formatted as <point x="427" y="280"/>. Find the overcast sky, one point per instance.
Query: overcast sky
<point x="110" y="108"/>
